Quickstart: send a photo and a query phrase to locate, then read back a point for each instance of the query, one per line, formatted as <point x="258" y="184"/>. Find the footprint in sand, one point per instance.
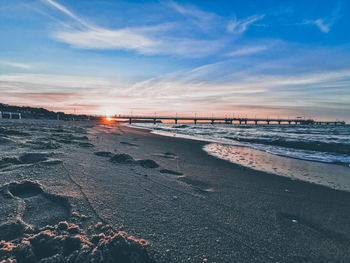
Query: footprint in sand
<point x="40" y="208"/>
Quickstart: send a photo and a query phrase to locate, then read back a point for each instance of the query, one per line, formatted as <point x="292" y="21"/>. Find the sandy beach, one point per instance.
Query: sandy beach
<point x="88" y="192"/>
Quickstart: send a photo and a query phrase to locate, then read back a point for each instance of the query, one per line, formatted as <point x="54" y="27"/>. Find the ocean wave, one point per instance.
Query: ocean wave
<point x="322" y="144"/>
<point x="318" y="146"/>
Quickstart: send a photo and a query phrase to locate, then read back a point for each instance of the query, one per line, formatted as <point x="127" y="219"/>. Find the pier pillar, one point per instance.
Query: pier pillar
<point x="175" y="121"/>
<point x="0" y="115"/>
<point x="256" y="122"/>
<point x="268" y="122"/>
<point x="130" y="121"/>
<point x="240" y="121"/>
<point x="289" y="122"/>
<point x="154" y="121"/>
<point x="245" y="122"/>
<point x="19" y="116"/>
<point x="279" y="122"/>
<point x="195" y="121"/>
<point x="212" y="121"/>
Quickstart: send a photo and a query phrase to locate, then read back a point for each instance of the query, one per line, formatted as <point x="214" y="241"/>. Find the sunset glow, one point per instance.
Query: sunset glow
<point x="228" y="57"/>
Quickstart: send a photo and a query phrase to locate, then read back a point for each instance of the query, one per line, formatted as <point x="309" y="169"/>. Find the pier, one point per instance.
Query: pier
<point x="212" y="120"/>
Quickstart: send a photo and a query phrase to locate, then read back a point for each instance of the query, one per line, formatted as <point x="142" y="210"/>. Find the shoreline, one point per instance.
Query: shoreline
<point x="333" y="176"/>
<point x="309" y="203"/>
<point x="236" y="144"/>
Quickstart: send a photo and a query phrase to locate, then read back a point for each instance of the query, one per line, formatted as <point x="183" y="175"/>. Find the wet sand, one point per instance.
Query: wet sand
<point x="334" y="176"/>
<point x="189" y="206"/>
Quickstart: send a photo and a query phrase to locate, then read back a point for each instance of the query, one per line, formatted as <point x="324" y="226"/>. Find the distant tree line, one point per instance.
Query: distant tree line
<point x="41" y="113"/>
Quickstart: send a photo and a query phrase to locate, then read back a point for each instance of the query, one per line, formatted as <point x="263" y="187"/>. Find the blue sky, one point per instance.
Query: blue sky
<point x="263" y="58"/>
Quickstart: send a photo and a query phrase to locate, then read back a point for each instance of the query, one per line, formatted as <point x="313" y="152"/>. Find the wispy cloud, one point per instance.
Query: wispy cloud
<point x="39" y="83"/>
<point x="325" y="24"/>
<point x="241" y="25"/>
<point x="320" y="23"/>
<point x="155" y="39"/>
<point x="99" y="38"/>
<point x="15" y="64"/>
<point x="65" y="10"/>
<point x="248" y="50"/>
<point x="203" y="20"/>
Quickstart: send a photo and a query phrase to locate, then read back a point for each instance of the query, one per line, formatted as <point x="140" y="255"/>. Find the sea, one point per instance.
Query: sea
<point x="281" y="149"/>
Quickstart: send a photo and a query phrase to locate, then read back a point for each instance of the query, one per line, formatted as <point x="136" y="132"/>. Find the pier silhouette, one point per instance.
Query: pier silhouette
<point x="233" y="120"/>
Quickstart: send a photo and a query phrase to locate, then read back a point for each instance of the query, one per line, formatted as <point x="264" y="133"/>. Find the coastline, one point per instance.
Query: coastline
<point x="334" y="176"/>
<point x="260" y="204"/>
<point x="194" y="207"/>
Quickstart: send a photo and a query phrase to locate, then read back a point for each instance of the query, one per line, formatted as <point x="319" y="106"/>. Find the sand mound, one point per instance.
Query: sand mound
<point x="68" y="243"/>
<point x="122" y="158"/>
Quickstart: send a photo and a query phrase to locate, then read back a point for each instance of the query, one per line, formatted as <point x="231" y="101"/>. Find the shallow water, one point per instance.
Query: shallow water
<point x="317" y="154"/>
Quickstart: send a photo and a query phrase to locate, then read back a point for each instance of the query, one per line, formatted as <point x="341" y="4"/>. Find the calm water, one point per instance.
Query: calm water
<point x="327" y="144"/>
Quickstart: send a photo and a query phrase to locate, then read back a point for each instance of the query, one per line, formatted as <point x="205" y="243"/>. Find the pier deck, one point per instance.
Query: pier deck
<point x="213" y="120"/>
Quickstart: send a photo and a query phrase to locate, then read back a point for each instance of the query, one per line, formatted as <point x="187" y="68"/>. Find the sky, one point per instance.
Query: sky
<point x="242" y="58"/>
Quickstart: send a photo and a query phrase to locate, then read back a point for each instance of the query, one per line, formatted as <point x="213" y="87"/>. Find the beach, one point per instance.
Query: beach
<point x="164" y="199"/>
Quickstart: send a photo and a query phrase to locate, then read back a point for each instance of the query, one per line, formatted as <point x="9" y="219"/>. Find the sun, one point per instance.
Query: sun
<point x="108" y="118"/>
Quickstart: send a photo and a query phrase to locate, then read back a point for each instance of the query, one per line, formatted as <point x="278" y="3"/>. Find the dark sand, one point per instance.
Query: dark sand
<point x="192" y="208"/>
